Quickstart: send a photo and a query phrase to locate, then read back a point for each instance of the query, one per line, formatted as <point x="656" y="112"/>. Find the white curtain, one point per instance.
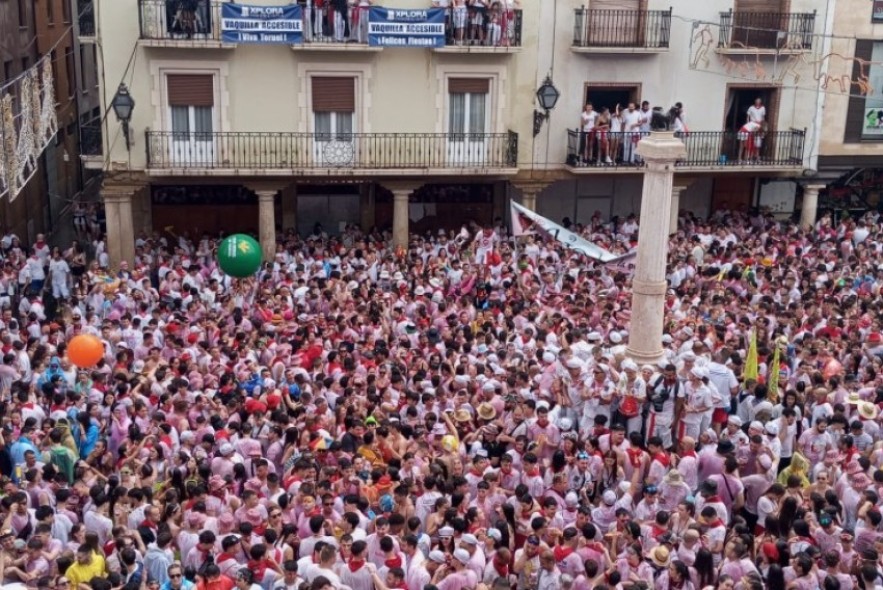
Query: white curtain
<point x="202" y="123"/>
<point x="181" y="122"/>
<point x="457" y="113"/>
<point x="477" y="114"/>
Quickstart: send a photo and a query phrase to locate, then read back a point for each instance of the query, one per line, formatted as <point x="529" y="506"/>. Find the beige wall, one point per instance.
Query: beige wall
<point x="666" y="77"/>
<point x="852" y="20"/>
<point x="266" y="88"/>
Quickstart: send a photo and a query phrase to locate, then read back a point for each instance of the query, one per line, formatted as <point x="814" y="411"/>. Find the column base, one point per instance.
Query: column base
<point x="645" y="357"/>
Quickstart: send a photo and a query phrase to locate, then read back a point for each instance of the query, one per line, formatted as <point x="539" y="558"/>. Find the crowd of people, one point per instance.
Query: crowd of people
<point x="453" y="415"/>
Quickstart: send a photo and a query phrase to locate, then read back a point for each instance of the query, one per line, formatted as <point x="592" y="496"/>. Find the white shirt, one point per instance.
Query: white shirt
<point x="757" y="114"/>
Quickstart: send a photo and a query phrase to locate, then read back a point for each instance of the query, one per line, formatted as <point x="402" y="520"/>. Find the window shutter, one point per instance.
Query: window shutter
<point x="855" y="112"/>
<point x="191" y="90"/>
<point x="469" y="85"/>
<point x="334" y="95"/>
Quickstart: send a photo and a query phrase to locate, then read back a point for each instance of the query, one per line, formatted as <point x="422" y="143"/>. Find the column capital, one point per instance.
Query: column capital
<point x="661" y="148"/>
<point x="534" y="187"/>
<point x="266" y="195"/>
<point x="401" y="186"/>
<point x="815" y="187"/>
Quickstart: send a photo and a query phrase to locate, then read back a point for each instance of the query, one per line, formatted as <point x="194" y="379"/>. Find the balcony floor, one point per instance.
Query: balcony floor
<point x="482" y="49"/>
<point x="185" y="43"/>
<point x="752" y="169"/>
<point x="752" y="51"/>
<point x="620" y="50"/>
<point x="346" y="47"/>
<point x="193" y="171"/>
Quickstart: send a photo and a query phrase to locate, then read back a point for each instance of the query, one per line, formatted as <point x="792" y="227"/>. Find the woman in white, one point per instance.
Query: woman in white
<point x="509" y="8"/>
<point x="632" y="392"/>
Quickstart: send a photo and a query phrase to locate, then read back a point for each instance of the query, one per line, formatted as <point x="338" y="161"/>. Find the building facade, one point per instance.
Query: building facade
<point x="850" y="162"/>
<point x="331" y="131"/>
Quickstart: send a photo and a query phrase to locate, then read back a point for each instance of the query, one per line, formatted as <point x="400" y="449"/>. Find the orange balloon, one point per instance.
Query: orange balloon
<point x="85" y="350"/>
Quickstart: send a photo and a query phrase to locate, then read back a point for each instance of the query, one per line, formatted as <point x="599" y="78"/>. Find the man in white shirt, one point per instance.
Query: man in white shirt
<point x="631" y="125"/>
<point x="757" y="112"/>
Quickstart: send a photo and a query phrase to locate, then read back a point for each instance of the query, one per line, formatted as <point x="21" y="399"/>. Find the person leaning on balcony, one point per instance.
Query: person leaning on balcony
<point x="477" y="21"/>
<point x="509" y="8"/>
<point x="460" y="16"/>
<point x="615" y="133"/>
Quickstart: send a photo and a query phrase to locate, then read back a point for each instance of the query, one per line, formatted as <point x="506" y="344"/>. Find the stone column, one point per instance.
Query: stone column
<point x="289" y="208"/>
<point x="400" y="219"/>
<point x="659" y="151"/>
<point x="120" y="224"/>
<point x="810" y="209"/>
<point x="267" y="222"/>
<point x="529" y="192"/>
<point x="677" y="190"/>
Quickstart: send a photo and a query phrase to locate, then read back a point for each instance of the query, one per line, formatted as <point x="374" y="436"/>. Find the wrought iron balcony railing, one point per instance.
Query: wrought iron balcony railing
<point x="303" y="151"/>
<point x="193" y="20"/>
<point x="483" y="27"/>
<point x="86" y="18"/>
<point x="704" y="149"/>
<point x="781" y="31"/>
<point x="635" y="29"/>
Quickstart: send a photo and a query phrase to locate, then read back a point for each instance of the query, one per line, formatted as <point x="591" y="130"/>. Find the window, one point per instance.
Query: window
<point x="50" y="11"/>
<point x="191" y="106"/>
<point x="877" y="16"/>
<point x="66" y="10"/>
<point x="70" y="71"/>
<point x="22" y="13"/>
<point x="872" y="126"/>
<point x="7" y="70"/>
<point x="468" y="107"/>
<point x="864" y="115"/>
<point x="334" y="106"/>
<point x="84" y="85"/>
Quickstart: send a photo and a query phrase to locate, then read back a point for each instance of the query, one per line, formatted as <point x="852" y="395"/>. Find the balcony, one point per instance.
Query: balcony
<point x="324" y="31"/>
<point x="766" y="32"/>
<point x="312" y="154"/>
<point x="621" y="31"/>
<point x="500" y="31"/>
<point x="86" y="20"/>
<point x="708" y="151"/>
<point x="181" y="23"/>
<point x="91" y="153"/>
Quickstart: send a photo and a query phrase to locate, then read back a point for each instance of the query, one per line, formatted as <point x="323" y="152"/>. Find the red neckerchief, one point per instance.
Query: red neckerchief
<point x="258" y="568"/>
<point x="712" y="499"/>
<point x="662" y="458"/>
<point x="355" y="564"/>
<point x="634" y="456"/>
<point x="688" y="454"/>
<point x="561" y="552"/>
<point x="501" y="569"/>
<point x="225" y="556"/>
<point x="148" y="523"/>
<point x="392" y="562"/>
<point x="716" y="523"/>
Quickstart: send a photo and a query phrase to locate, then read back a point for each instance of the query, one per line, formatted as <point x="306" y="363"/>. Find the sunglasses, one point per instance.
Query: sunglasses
<point x="174" y="576"/>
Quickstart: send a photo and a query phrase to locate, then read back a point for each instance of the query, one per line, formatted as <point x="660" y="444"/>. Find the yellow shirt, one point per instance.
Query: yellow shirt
<point x="83" y="574"/>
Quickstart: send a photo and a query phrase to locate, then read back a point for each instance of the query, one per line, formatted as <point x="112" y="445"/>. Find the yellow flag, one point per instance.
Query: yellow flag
<point x="750" y="371"/>
<point x="773" y="372"/>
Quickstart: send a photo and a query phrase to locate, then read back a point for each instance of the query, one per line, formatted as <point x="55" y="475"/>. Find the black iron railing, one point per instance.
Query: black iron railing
<point x="483" y="27"/>
<point x="198" y="20"/>
<point x="767" y="30"/>
<point x="294" y="151"/>
<point x="646" y="29"/>
<point x="86" y="18"/>
<point x="704" y="148"/>
<point x="90" y="139"/>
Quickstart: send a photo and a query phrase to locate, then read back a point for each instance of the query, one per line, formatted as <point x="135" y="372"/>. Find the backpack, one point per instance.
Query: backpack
<point x="60" y="457"/>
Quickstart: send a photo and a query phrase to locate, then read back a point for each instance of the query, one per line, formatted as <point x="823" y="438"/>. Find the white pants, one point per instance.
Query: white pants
<point x="660" y="425"/>
<point x="60" y="290"/>
<point x="628" y="147"/>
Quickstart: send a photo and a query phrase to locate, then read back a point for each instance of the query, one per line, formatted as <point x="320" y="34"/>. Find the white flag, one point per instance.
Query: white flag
<point x="526" y="221"/>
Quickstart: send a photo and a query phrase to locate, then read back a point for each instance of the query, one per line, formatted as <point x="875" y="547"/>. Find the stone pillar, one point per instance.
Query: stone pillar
<point x="289" y="208"/>
<point x="120" y="224"/>
<point x="400" y="219"/>
<point x="677" y="190"/>
<point x="529" y="192"/>
<point x="267" y="222"/>
<point x="659" y="151"/>
<point x="810" y="209"/>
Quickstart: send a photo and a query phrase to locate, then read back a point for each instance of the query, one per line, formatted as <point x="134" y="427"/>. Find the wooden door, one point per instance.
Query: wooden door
<point x="616" y="23"/>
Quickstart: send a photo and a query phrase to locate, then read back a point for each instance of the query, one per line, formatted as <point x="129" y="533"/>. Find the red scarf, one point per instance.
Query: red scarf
<point x="662" y="458"/>
<point x="634" y="456"/>
<point x="561" y="552"/>
<point x="355" y="564"/>
<point x="501" y="569"/>
<point x="393" y="562"/>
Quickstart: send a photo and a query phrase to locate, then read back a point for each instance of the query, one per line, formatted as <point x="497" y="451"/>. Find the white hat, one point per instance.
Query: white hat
<point x="615" y="337"/>
<point x="469" y="539"/>
<point x="593" y="336"/>
<point x="565" y="424"/>
<point x="735" y="421"/>
<point x="687" y="331"/>
<point x="629" y="365"/>
<point x="398" y="276"/>
<point x="688" y="357"/>
<point x="772" y="428"/>
<point x="384" y="274"/>
<point x="609" y="497"/>
<point x="548" y="358"/>
<point x="352" y="286"/>
<point x="697" y="372"/>
<point x="756" y="425"/>
<point x="666" y="338"/>
<point x="462" y="556"/>
<point x="227" y="449"/>
<point x="573" y="363"/>
<point x="542" y="404"/>
<point x="419" y="291"/>
<point x="494" y="534"/>
<point x="571" y="499"/>
<point x="437" y="556"/>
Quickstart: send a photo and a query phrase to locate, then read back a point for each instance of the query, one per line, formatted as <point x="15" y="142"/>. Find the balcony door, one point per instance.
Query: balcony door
<point x="191" y="99"/>
<point x="616" y="23"/>
<point x="758" y="23"/>
<point x="468" y="121"/>
<point x="334" y="107"/>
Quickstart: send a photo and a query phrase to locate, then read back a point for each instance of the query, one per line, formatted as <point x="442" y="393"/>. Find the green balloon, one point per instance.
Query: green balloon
<point x="239" y="255"/>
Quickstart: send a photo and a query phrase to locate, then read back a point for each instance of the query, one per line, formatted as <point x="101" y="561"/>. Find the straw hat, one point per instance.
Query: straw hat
<point x="660" y="556"/>
<point x="462" y="415"/>
<point x="867" y="410"/>
<point x="486" y="411"/>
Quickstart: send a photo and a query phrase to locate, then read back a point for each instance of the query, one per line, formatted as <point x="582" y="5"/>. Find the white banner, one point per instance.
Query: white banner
<point x="525" y="221"/>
